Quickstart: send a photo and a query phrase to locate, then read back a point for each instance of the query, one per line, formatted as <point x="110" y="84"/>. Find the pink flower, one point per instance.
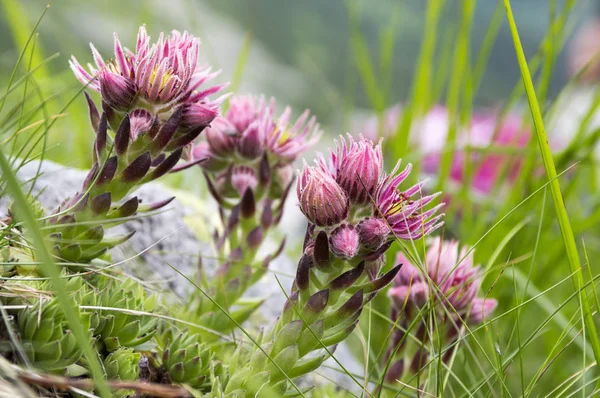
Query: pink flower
<point x="156" y="77"/>
<point x="481" y="134"/>
<point x="286" y="142"/>
<point x="454" y="285"/>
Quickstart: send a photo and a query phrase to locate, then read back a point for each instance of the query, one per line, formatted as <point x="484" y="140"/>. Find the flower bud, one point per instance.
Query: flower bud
<point x="117" y="91"/>
<point x="373" y="232"/>
<point x="252" y="142"/>
<point x="321" y="199"/>
<point x="344" y="242"/>
<point x="140" y="122"/>
<point x="198" y="115"/>
<point x="220" y="137"/>
<point x="359" y="166"/>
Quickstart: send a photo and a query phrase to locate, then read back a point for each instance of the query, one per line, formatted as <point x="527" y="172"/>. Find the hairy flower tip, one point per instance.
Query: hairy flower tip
<point x="287" y="141"/>
<point x="140" y="122"/>
<point x="373" y="232"/>
<point x="358" y="165"/>
<point x="344" y="242"/>
<point x="242" y="178"/>
<point x="321" y="199"/>
<point x="164" y="73"/>
<point x="406" y="216"/>
<point x="455" y="277"/>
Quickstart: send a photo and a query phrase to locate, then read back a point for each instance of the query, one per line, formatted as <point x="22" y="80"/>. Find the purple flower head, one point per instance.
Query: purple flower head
<point x="405" y="215"/>
<point x="344" y="241"/>
<point x="359" y="166"/>
<point x="455" y="287"/>
<point x="321" y="199"/>
<point x="157" y="77"/>
<point x="375" y="205"/>
<point x="250" y="124"/>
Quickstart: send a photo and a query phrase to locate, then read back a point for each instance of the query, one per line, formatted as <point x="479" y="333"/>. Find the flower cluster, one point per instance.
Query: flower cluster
<point x="358" y="204"/>
<point x="486" y="141"/>
<point x="481" y="143"/>
<point x="248" y="146"/>
<point x="159" y="78"/>
<point x="448" y="283"/>
<point x="153" y="112"/>
<point x="247" y="163"/>
<point x="151" y="99"/>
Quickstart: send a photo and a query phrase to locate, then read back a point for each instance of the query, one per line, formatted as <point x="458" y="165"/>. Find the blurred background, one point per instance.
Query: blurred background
<point x="306" y="54"/>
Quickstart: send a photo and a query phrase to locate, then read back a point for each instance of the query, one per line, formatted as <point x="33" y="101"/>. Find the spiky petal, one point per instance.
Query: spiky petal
<point x="406" y="216"/>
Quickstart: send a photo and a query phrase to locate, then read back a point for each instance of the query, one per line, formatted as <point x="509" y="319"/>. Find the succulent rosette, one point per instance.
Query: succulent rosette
<point x="448" y="283"/>
<point x="45" y="337"/>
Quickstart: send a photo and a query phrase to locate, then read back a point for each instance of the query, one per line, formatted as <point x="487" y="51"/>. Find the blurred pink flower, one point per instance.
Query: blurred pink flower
<point x="453" y="285"/>
<point x="429" y="136"/>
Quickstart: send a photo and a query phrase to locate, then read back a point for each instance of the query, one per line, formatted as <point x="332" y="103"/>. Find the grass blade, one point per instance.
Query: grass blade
<point x="561" y="211"/>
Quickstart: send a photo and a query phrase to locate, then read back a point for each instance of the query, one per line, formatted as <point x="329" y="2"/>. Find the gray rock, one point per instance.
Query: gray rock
<point x="166" y="238"/>
<point x="160" y="239"/>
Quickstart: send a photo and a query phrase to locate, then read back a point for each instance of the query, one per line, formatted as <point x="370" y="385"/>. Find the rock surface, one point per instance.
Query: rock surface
<point x="172" y="237"/>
